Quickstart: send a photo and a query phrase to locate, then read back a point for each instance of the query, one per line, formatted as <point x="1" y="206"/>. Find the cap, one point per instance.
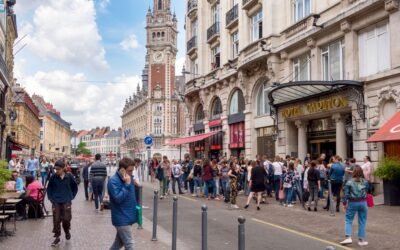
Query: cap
<point x="59" y="163"/>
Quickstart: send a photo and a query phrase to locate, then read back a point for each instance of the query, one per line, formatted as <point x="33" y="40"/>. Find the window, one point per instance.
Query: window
<point x="256" y="26"/>
<point x="235" y="44"/>
<point x="160" y="4"/>
<point x="174" y="119"/>
<point x="374" y="49"/>
<point x="215" y="13"/>
<point x="301" y="68"/>
<point x="157" y="129"/>
<point x="174" y="108"/>
<point x="199" y="114"/>
<point x="158" y="107"/>
<point x="215" y="57"/>
<point x="194" y="28"/>
<point x="237" y="103"/>
<point x="216" y="110"/>
<point x="157" y="120"/>
<point x="301" y="9"/>
<point x="332" y="61"/>
<point x="194" y="68"/>
<point x="263" y="107"/>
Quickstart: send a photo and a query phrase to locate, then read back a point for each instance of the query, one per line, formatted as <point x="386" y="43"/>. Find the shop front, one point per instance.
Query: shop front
<point x="216" y="141"/>
<point x="236" y="122"/>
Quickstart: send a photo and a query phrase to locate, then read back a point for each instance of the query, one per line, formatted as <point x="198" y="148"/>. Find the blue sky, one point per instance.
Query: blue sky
<point x="85" y="56"/>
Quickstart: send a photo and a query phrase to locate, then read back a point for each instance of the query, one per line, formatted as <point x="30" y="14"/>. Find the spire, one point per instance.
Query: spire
<point x="149" y="11"/>
<point x="138" y="89"/>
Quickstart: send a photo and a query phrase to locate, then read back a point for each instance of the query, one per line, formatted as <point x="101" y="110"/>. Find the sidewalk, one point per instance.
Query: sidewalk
<point x="89" y="230"/>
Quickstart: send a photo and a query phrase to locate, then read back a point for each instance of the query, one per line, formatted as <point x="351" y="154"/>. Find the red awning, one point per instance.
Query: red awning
<point x="190" y="139"/>
<point x="388" y="132"/>
<point x="17" y="146"/>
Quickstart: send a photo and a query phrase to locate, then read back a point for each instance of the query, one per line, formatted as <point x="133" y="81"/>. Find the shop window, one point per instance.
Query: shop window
<point x="301" y="9"/>
<point x="237" y="135"/>
<point x="374" y="52"/>
<point x="216" y="110"/>
<point x="333" y="61"/>
<point x="263" y="107"/>
<point x="235" y="44"/>
<point x="256" y="26"/>
<point x="237" y="103"/>
<point x="199" y="114"/>
<point x="302" y="68"/>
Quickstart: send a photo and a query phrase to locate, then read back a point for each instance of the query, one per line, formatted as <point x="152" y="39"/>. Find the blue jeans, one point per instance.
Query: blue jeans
<point x="98" y="187"/>
<point x="277" y="185"/>
<point x="33" y="173"/>
<point x="224" y="185"/>
<point x="123" y="238"/>
<point x="44" y="177"/>
<point x="361" y="208"/>
<point x="175" y="180"/>
<point x="288" y="195"/>
<point x="207" y="184"/>
<point x="197" y="182"/>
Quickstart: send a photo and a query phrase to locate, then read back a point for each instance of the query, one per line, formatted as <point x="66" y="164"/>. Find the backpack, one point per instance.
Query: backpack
<point x="159" y="173"/>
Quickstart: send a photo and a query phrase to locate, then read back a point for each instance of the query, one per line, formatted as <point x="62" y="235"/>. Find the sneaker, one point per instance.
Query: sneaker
<point x="102" y="207"/>
<point x="234" y="206"/>
<point x="161" y="197"/>
<point x="217" y="199"/>
<point x="56" y="242"/>
<point x="247" y="206"/>
<point x="290" y="205"/>
<point x="258" y="208"/>
<point x="362" y="243"/>
<point x="193" y="195"/>
<point x="347" y="241"/>
<point x="67" y="235"/>
<point x="315" y="209"/>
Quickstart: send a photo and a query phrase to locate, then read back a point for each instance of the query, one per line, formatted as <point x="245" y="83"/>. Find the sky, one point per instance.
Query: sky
<point x="85" y="56"/>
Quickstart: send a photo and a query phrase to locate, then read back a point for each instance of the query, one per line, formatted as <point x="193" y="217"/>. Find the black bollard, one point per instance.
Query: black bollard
<point x="141" y="206"/>
<point x="155" y="208"/>
<point x="241" y="220"/>
<point x="204" y="227"/>
<point x="174" y="222"/>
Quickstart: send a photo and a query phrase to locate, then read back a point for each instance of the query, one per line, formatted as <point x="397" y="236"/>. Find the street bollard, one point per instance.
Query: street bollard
<point x="331" y="205"/>
<point x="174" y="222"/>
<point x="141" y="206"/>
<point x="155" y="208"/>
<point x="241" y="237"/>
<point x="204" y="227"/>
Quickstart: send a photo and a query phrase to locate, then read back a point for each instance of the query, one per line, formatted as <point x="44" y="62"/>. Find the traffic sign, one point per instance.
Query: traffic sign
<point x="148" y="140"/>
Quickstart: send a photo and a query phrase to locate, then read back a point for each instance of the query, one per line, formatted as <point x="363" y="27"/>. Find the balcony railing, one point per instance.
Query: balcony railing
<point x="191" y="5"/>
<point x="191" y="44"/>
<point x="3" y="68"/>
<point x="232" y="15"/>
<point x="213" y="31"/>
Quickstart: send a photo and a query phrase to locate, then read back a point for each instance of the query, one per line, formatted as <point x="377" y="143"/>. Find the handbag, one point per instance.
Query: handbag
<point x="139" y="215"/>
<point x="370" y="200"/>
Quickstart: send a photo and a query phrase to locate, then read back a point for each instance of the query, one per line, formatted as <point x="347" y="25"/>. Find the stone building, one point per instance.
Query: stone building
<point x="291" y="77"/>
<point x="157" y="108"/>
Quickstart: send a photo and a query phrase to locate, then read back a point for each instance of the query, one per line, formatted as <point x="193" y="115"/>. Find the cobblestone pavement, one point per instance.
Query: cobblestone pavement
<point x="89" y="230"/>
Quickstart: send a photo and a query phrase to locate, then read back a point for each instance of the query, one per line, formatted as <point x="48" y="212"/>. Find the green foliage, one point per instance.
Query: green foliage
<point x="388" y="169"/>
<point x="82" y="150"/>
<point x="5" y="174"/>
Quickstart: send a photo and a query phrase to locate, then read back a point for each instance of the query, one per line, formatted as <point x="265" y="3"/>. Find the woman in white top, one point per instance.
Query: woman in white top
<point x="277" y="166"/>
<point x="367" y="170"/>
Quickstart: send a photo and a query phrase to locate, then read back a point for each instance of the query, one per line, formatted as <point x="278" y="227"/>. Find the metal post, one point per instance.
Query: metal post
<point x="148" y="161"/>
<point x="174" y="222"/>
<point x="140" y="204"/>
<point x="331" y="208"/>
<point x="143" y="171"/>
<point x="180" y="152"/>
<point x="204" y="227"/>
<point x="155" y="208"/>
<point x="241" y="237"/>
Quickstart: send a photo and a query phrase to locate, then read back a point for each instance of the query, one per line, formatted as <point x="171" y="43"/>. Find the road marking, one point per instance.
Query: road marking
<point x="187" y="198"/>
<point x="301" y="234"/>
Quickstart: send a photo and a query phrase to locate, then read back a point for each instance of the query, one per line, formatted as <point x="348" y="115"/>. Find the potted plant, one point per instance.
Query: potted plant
<point x="5" y="175"/>
<point x="389" y="171"/>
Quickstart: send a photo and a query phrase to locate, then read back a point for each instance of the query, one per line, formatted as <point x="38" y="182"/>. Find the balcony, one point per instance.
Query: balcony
<point x="232" y="17"/>
<point x="248" y="4"/>
<point x="4" y="70"/>
<point x="213" y="32"/>
<point x="192" y="9"/>
<point x="191" y="46"/>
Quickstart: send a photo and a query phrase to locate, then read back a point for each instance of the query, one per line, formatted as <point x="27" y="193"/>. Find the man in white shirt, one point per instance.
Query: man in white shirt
<point x="13" y="162"/>
<point x="176" y="173"/>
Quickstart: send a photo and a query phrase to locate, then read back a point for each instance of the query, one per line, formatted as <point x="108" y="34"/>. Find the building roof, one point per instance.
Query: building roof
<point x="46" y="108"/>
<point x="22" y="97"/>
<point x="114" y="134"/>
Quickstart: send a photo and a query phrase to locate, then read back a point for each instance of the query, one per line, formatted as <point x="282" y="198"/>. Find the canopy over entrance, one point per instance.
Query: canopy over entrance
<point x="388" y="132"/>
<point x="190" y="139"/>
<point x="286" y="93"/>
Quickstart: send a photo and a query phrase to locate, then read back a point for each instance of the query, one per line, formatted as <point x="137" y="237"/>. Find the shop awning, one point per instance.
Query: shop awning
<point x="16" y="146"/>
<point x="388" y="132"/>
<point x="190" y="139"/>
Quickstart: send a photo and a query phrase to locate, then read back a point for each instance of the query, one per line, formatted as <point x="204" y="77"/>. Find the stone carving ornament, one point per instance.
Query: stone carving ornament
<point x="384" y="95"/>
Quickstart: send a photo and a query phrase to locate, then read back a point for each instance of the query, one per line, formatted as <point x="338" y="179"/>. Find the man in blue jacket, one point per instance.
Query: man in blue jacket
<point x="61" y="190"/>
<point x="336" y="173"/>
<point x="121" y="190"/>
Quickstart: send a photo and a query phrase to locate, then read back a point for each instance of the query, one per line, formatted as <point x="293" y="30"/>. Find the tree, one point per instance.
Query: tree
<point x="82" y="150"/>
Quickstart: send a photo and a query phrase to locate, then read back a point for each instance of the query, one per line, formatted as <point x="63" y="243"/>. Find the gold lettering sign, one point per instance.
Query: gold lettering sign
<point x="315" y="107"/>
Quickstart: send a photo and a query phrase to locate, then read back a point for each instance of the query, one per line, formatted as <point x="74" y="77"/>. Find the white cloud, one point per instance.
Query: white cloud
<point x="180" y="62"/>
<point x="85" y="105"/>
<point x="103" y="4"/>
<point x="66" y="30"/>
<point x="130" y="42"/>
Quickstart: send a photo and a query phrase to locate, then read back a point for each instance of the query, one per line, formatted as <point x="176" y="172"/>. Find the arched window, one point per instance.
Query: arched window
<point x="160" y="4"/>
<point x="237" y="103"/>
<point x="263" y="107"/>
<point x="199" y="114"/>
<point x="216" y="110"/>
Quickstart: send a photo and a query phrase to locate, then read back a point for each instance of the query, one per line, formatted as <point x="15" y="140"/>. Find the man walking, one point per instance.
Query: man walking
<point x="99" y="175"/>
<point x="33" y="166"/>
<point x="123" y="204"/>
<point x="85" y="175"/>
<point x="61" y="190"/>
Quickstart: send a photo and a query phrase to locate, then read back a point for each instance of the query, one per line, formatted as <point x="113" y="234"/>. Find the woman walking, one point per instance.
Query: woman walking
<point x="313" y="185"/>
<point x="44" y="169"/>
<point x="355" y="202"/>
<point x="234" y="174"/>
<point x="256" y="183"/>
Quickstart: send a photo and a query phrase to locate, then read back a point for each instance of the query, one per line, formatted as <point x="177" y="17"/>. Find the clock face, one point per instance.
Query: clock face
<point x="158" y="56"/>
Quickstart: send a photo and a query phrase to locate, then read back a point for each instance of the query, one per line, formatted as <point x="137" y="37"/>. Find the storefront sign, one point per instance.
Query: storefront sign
<point x="215" y="123"/>
<point x="316" y="107"/>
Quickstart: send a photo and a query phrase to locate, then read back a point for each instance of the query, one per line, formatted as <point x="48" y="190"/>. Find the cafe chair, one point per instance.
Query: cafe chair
<point x="38" y="205"/>
<point x="3" y="217"/>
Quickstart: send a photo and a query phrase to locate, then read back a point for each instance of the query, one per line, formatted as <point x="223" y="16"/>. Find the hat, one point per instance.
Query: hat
<point x="59" y="163"/>
<point x="13" y="156"/>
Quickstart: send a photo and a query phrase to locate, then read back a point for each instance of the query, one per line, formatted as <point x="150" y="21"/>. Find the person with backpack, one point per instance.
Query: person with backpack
<point x="61" y="190"/>
<point x="176" y="174"/>
<point x="197" y="178"/>
<point x="187" y="166"/>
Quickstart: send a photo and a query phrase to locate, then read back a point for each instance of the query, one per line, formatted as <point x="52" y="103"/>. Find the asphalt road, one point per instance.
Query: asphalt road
<point x="223" y="226"/>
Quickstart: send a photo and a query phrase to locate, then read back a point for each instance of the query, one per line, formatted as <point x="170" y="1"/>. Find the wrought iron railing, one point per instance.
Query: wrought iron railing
<point x="213" y="30"/>
<point x="192" y="43"/>
<point x="232" y="14"/>
<point x="3" y="68"/>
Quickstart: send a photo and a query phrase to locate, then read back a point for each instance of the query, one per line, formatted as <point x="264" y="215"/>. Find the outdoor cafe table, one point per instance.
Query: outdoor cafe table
<point x="11" y="200"/>
<point x="10" y="195"/>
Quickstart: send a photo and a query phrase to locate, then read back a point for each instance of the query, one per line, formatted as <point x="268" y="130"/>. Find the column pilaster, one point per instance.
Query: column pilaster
<point x="301" y="138"/>
<point x="341" y="145"/>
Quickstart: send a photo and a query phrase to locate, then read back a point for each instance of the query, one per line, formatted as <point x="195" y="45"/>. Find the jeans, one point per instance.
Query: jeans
<point x="361" y="208"/>
<point x="288" y="195"/>
<point x="191" y="186"/>
<point x="61" y="214"/>
<point x="123" y="238"/>
<point x="33" y="173"/>
<point x="336" y="188"/>
<point x="174" y="181"/>
<point x="207" y="184"/>
<point x="224" y="185"/>
<point x="313" y="194"/>
<point x="198" y="183"/>
<point x="184" y="180"/>
<point x="98" y="187"/>
<point x="322" y="190"/>
<point x="44" y="177"/>
<point x="277" y="184"/>
<point x="86" y="186"/>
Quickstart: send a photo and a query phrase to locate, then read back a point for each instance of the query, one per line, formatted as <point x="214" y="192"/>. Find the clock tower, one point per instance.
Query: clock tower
<point x="161" y="47"/>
